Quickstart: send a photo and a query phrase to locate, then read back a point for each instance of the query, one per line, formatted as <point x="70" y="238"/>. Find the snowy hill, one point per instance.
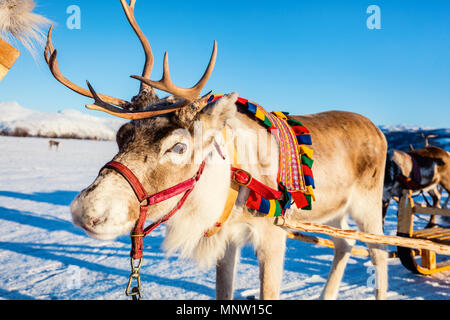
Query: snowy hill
<point x="17" y="120"/>
<point x="402" y="136"/>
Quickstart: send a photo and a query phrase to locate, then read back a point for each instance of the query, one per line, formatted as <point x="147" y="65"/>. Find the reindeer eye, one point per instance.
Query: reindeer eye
<point x="179" y="148"/>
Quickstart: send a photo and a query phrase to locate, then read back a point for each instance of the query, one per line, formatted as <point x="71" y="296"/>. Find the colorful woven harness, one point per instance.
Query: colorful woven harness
<point x="295" y="177"/>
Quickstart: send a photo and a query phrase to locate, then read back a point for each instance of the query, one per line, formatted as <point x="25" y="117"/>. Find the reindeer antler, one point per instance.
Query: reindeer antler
<point x="50" y="57"/>
<point x="101" y="105"/>
<point x="426" y="137"/>
<point x="129" y="12"/>
<point x="167" y="85"/>
<point x="108" y="104"/>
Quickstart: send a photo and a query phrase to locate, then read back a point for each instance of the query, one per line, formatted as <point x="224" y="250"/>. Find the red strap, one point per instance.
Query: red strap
<point x="171" y="192"/>
<point x="139" y="232"/>
<point x="244" y="178"/>
<point x="137" y="243"/>
<point x="239" y="176"/>
<point x="139" y="190"/>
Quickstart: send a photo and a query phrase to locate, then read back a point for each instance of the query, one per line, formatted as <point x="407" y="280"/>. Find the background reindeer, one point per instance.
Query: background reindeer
<point x="421" y="170"/>
<point x="158" y="146"/>
<point x="53" y="143"/>
<point x="436" y="192"/>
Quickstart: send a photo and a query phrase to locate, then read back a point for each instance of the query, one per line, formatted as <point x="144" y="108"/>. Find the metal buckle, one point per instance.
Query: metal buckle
<point x="135" y="292"/>
<point x="240" y="183"/>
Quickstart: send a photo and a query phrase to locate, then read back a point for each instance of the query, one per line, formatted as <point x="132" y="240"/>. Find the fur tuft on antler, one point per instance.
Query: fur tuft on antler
<point x="17" y="20"/>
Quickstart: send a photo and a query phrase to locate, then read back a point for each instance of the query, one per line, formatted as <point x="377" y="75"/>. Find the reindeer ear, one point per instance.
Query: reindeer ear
<point x="216" y="114"/>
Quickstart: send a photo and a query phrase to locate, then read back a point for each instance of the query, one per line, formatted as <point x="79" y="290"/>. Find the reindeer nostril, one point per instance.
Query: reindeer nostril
<point x="96" y="221"/>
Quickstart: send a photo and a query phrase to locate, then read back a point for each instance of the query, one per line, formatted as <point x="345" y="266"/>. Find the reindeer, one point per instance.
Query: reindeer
<point x="421" y="170"/>
<point x="436" y="192"/>
<point x="53" y="143"/>
<point x="158" y="148"/>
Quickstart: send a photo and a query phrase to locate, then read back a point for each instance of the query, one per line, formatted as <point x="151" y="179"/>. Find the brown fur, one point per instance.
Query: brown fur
<point x="343" y="138"/>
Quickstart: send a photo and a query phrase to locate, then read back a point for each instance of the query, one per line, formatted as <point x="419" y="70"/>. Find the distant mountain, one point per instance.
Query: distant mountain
<point x="19" y="121"/>
<point x="402" y="136"/>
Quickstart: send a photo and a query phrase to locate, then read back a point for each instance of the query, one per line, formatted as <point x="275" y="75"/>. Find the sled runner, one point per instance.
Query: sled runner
<point x="405" y="228"/>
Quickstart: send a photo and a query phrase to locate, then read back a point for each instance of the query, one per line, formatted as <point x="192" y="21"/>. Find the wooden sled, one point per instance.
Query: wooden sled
<point x="8" y="55"/>
<point x="405" y="228"/>
<point x="410" y="244"/>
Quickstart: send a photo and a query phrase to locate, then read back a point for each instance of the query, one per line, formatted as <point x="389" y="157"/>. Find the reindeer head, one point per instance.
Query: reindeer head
<point x="158" y="145"/>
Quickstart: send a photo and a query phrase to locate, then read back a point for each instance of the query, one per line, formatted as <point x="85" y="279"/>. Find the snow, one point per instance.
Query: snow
<point x="65" y="123"/>
<point x="44" y="256"/>
<point x="403" y="127"/>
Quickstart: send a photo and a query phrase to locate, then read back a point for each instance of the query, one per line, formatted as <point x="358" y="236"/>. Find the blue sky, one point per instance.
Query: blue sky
<point x="297" y="56"/>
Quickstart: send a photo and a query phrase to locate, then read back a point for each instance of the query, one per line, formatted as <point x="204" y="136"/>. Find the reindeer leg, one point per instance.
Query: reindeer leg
<point x="446" y="203"/>
<point x="225" y="271"/>
<point x="436" y="196"/>
<point x="385" y="209"/>
<point x="445" y="185"/>
<point x="342" y="252"/>
<point x="379" y="260"/>
<point x="270" y="252"/>
<point x="371" y="222"/>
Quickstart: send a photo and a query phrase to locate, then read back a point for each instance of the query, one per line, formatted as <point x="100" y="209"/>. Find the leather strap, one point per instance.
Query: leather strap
<point x="139" y="232"/>
<point x="233" y="191"/>
<point x="244" y="178"/>
<point x="134" y="182"/>
<point x="239" y="178"/>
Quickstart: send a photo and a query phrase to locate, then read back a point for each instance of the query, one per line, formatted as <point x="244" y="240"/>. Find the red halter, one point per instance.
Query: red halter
<point x="139" y="232"/>
<point x="238" y="176"/>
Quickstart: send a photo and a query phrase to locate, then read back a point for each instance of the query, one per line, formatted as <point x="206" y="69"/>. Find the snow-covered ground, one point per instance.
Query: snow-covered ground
<point x="43" y="256"/>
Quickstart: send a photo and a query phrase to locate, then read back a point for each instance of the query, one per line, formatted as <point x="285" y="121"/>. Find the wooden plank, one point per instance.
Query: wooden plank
<point x="310" y="239"/>
<point x="429" y="231"/>
<point x="405" y="216"/>
<point x="434" y="232"/>
<point x="440" y="235"/>
<point x="368" y="237"/>
<point x="428" y="259"/>
<point x="3" y="71"/>
<point x="360" y="252"/>
<point x="8" y="55"/>
<point x="432" y="211"/>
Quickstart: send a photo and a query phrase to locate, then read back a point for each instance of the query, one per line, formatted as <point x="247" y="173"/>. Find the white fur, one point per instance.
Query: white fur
<point x="111" y="212"/>
<point x="186" y="229"/>
<point x="18" y="20"/>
